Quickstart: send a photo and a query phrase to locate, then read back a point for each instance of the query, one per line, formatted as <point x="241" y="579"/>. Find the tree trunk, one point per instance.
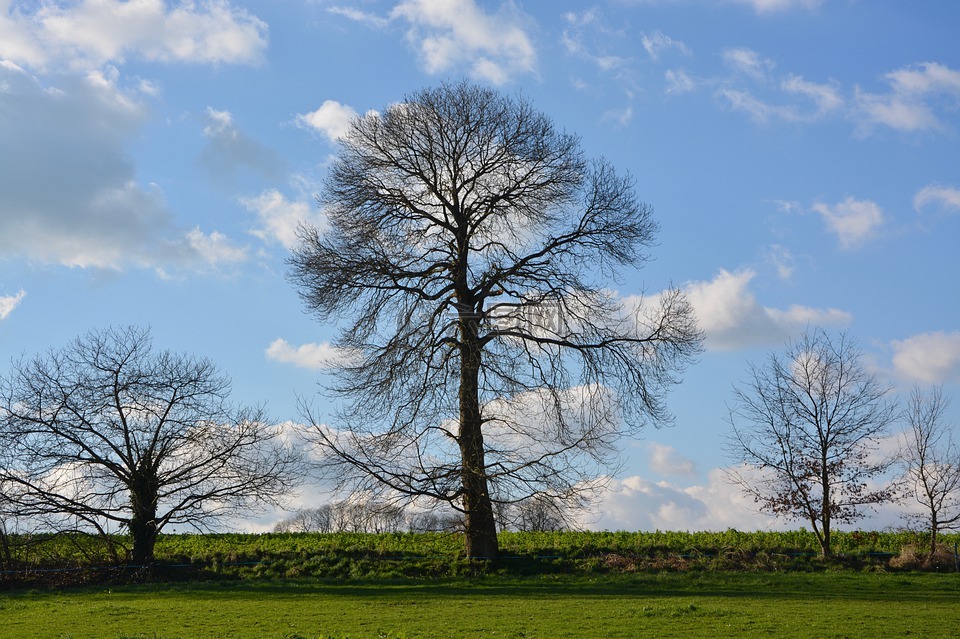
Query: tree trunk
<point x="481" y="526"/>
<point x="825" y="541"/>
<point x="143" y="521"/>
<point x="825" y="506"/>
<point x="934" y="526"/>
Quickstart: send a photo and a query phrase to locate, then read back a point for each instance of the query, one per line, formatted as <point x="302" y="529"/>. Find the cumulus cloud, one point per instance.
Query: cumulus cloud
<point x="332" y="119"/>
<point x="732" y="318"/>
<point x="68" y="189"/>
<point x="943" y="197"/>
<point x="853" y="221"/>
<point x="9" y="303"/>
<point x="636" y="503"/>
<point x="665" y="460"/>
<point x="90" y="33"/>
<point x="213" y="249"/>
<point x="916" y="94"/>
<point x="929" y="357"/>
<point x="279" y="218"/>
<point x="310" y="356"/>
<point x="452" y="33"/>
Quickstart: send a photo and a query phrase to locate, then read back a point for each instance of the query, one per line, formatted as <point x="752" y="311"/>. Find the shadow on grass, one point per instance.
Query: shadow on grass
<point x="821" y="586"/>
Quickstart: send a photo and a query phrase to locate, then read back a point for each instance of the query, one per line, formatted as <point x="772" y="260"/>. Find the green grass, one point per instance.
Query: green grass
<point x="702" y="604"/>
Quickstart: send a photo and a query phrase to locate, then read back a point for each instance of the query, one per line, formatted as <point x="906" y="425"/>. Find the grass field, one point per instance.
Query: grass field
<point x="826" y="604"/>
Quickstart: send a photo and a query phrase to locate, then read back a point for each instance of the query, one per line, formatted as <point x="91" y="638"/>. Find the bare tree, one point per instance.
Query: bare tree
<point x="932" y="461"/>
<point x="808" y="425"/>
<point x="351" y="515"/>
<point x="469" y="252"/>
<point x="540" y="514"/>
<point x="319" y="519"/>
<point x="105" y="435"/>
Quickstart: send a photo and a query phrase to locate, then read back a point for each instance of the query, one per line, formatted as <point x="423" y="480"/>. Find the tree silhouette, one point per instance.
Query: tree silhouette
<point x="469" y="255"/>
<point x="107" y="433"/>
<point x="808" y="424"/>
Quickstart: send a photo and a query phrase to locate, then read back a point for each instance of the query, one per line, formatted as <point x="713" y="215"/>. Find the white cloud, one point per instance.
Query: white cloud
<point x="944" y="197"/>
<point x="636" y="503"/>
<point x="658" y="42"/>
<point x="678" y="81"/>
<point x="309" y="356"/>
<point x="620" y="117"/>
<point x="912" y="103"/>
<point x="90" y="33"/>
<point x="929" y="357"/>
<point x="782" y="259"/>
<point x="369" y="19"/>
<point x="214" y="249"/>
<point x="826" y="96"/>
<point x="451" y="33"/>
<point x="854" y="222"/>
<point x="332" y="119"/>
<point x="748" y="62"/>
<point x="757" y="109"/>
<point x="68" y="193"/>
<point x="772" y="6"/>
<point x="665" y="460"/>
<point x="279" y="218"/>
<point x="9" y="303"/>
<point x="731" y="317"/>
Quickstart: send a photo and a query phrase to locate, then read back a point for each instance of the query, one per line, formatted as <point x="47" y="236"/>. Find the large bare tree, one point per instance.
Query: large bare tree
<point x="808" y="424"/>
<point x="932" y="460"/>
<point x="108" y="435"/>
<point x="469" y="254"/>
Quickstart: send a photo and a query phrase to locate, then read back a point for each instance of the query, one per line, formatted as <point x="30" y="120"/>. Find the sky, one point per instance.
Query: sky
<point x="801" y="157"/>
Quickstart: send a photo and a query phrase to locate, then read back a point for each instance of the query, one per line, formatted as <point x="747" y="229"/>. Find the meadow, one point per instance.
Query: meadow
<point x="572" y="584"/>
<point x="826" y="604"/>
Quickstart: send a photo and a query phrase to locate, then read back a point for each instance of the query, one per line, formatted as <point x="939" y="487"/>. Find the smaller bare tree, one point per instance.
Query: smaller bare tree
<point x="808" y="426"/>
<point x="106" y="434"/>
<point x="349" y="515"/>
<point x="319" y="519"/>
<point x="540" y="513"/>
<point x="932" y="460"/>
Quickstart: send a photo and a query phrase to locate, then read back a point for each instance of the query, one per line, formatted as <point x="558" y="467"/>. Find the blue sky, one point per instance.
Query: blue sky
<point x="801" y="156"/>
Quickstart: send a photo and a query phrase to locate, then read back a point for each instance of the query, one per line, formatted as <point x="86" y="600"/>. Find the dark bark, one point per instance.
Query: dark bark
<point x="143" y="518"/>
<point x="481" y="526"/>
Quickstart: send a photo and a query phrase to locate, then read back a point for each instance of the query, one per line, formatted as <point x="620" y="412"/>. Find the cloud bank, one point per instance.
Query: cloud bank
<point x="91" y="33"/>
<point x="732" y="318"/>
